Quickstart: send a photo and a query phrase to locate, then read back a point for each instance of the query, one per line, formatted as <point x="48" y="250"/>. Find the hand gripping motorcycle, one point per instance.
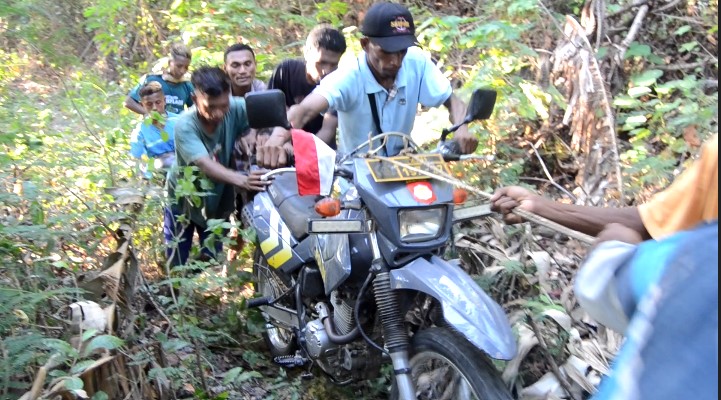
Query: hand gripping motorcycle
<point x="348" y="284"/>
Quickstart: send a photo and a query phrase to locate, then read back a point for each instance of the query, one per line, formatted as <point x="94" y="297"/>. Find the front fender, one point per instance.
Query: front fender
<point x="466" y="306"/>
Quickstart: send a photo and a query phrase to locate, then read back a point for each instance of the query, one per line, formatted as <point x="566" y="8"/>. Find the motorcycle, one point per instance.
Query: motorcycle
<point x="352" y="283"/>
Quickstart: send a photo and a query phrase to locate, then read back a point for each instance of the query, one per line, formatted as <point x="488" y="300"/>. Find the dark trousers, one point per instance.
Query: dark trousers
<point x="173" y="229"/>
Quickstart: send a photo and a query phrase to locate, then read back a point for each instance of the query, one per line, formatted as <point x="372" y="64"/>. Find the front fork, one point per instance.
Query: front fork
<point x="396" y="338"/>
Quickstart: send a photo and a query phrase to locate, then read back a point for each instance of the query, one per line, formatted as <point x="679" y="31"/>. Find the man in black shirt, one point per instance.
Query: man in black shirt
<point x="297" y="78"/>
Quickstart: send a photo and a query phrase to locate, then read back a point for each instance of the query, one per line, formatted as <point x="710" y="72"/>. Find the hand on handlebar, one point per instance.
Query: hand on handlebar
<point x="271" y="154"/>
<point x="253" y="181"/>
<point x="467" y="142"/>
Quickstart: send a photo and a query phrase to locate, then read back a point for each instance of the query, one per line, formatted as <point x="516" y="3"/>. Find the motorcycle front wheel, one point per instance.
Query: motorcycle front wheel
<point x="280" y="341"/>
<point x="444" y="365"/>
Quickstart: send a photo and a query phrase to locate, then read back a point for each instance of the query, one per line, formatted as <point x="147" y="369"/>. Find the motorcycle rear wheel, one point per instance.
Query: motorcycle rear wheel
<point x="444" y="365"/>
<point x="280" y="341"/>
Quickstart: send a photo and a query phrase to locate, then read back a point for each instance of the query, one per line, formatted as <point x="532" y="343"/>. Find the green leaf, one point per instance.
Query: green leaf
<point x="60" y="346"/>
<point x="602" y="52"/>
<point x="81" y="366"/>
<point x="680" y="31"/>
<point x="636" y="119"/>
<point x="206" y="184"/>
<point x="107" y="342"/>
<point x="100" y="396"/>
<point x="638" y="91"/>
<point x="174" y="345"/>
<point x="647" y="78"/>
<point x="689" y="47"/>
<point x="664" y="108"/>
<point x="231" y="375"/>
<point x="513" y="266"/>
<point x="640" y="134"/>
<point x="637" y="50"/>
<point x="252" y="357"/>
<point x="678" y="146"/>
<point x="57" y="373"/>
<point x="30" y="190"/>
<point x="164" y="135"/>
<point x="248" y="375"/>
<point x="652" y="58"/>
<point x="436" y="44"/>
<point x="626" y="102"/>
<point x="89" y="333"/>
<point x="37" y="215"/>
<point x="73" y="383"/>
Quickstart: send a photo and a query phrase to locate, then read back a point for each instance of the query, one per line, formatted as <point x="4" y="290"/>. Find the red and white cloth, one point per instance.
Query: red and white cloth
<point x="314" y="163"/>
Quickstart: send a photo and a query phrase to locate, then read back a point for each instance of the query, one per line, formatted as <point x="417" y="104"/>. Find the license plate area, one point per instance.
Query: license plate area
<point x="386" y="171"/>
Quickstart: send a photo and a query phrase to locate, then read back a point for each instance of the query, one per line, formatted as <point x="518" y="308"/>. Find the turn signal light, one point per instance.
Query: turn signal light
<point x="459" y="196"/>
<point x="328" y="207"/>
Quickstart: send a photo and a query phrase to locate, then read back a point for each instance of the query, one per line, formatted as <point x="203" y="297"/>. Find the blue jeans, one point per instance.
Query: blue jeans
<point x="173" y="229"/>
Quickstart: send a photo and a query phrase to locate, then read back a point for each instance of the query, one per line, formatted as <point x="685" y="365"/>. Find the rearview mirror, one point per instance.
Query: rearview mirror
<point x="266" y="109"/>
<point x="481" y="105"/>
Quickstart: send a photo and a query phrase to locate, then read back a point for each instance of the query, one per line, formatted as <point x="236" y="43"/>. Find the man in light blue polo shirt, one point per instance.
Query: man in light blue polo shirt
<point x="389" y="72"/>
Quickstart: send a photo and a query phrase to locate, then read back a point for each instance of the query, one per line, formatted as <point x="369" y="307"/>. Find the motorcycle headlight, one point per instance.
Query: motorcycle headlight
<point x="420" y="225"/>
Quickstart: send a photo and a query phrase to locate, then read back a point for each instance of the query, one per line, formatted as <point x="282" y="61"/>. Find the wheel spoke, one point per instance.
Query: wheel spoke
<point x="269" y="285"/>
<point x="437" y="378"/>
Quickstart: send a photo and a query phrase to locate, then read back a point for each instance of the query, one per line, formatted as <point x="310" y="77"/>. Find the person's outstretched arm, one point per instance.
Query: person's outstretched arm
<point x="217" y="172"/>
<point x="587" y="219"/>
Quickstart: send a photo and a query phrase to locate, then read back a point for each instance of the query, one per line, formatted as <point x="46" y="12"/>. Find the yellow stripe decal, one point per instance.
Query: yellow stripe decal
<point x="271" y="242"/>
<point x="280" y="257"/>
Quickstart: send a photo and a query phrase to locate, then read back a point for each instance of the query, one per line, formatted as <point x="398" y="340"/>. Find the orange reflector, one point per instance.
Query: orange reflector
<point x="459" y="196"/>
<point x="328" y="207"/>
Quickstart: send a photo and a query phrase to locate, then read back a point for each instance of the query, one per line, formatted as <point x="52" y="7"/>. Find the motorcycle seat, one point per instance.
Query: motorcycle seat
<point x="293" y="208"/>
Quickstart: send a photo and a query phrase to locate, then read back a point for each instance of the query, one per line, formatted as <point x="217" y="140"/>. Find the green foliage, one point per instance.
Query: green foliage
<point x="660" y="112"/>
<point x="52" y="29"/>
<point x="237" y="376"/>
<point x="331" y="12"/>
<point x="112" y="22"/>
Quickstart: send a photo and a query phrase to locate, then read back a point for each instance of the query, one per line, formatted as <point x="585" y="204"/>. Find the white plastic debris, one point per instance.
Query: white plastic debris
<point x="85" y="315"/>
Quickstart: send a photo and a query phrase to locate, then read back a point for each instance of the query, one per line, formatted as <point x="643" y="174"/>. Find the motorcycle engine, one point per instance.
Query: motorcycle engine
<point x="342" y="314"/>
<point x="343" y="363"/>
<point x="317" y="343"/>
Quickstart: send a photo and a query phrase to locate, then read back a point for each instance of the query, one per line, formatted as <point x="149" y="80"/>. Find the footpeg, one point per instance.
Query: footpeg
<point x="290" y="361"/>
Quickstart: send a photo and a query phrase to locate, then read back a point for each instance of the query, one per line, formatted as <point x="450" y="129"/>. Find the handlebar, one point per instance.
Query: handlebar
<point x="451" y="152"/>
<point x="464" y="157"/>
<point x="276" y="172"/>
<point x="340" y="170"/>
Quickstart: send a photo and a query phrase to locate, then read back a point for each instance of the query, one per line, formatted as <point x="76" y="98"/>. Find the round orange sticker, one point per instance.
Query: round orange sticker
<point x="422" y="192"/>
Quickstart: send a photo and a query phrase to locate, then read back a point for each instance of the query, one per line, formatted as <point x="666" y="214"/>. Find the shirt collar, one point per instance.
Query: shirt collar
<point x="370" y="83"/>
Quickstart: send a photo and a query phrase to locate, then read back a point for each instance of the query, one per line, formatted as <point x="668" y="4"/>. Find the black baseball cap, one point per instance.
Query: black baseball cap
<point x="390" y="26"/>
